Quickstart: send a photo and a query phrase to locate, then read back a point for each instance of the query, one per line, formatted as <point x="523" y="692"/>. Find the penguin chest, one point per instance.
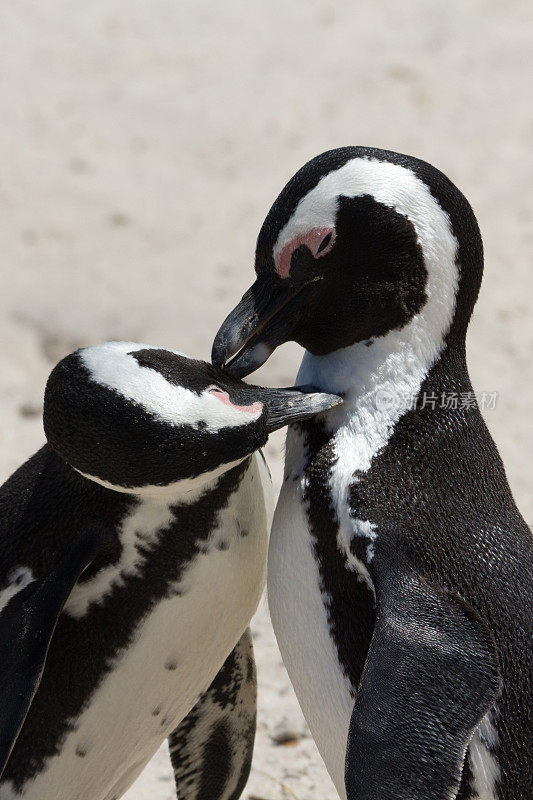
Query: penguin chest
<point x="173" y="657"/>
<point x="321" y="599"/>
<point x="172" y="653"/>
<point x="301" y="617"/>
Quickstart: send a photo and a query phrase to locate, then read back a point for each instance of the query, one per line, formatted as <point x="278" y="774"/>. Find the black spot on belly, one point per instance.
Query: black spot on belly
<point x="82" y="750"/>
<point x="171" y="664"/>
<point x="156" y="712"/>
<point x="223" y="545"/>
<point x="164" y="721"/>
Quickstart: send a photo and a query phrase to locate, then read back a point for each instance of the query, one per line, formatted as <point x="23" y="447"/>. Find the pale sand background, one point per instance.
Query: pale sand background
<point x="142" y="143"/>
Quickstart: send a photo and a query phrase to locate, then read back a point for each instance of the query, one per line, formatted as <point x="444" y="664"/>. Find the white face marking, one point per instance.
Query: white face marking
<point x="196" y="631"/>
<point x="17" y="580"/>
<point x="483" y="763"/>
<point x="396" y="363"/>
<point x="110" y="365"/>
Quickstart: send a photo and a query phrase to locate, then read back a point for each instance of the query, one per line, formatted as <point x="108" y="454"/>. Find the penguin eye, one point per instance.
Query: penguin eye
<point x="318" y="240"/>
<point x="220" y="394"/>
<point x="217" y="392"/>
<point x="324" y="239"/>
<point x="324" y="243"/>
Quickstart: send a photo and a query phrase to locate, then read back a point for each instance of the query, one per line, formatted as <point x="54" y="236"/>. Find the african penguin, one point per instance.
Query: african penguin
<point x="400" y="574"/>
<point x="133" y="555"/>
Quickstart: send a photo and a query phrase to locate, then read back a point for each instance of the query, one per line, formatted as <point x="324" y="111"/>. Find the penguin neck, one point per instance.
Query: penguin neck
<point x="183" y="492"/>
<point x="398" y="367"/>
<point x="381" y="378"/>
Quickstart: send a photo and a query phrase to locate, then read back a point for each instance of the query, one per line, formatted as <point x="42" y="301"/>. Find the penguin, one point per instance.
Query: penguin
<point x="400" y="572"/>
<point x="133" y="555"/>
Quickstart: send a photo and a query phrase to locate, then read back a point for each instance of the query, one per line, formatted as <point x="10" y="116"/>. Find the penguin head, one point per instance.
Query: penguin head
<point x="359" y="243"/>
<point x="134" y="417"/>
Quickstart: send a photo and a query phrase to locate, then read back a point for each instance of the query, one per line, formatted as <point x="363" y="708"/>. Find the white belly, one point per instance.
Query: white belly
<point x="300" y="622"/>
<point x="299" y="617"/>
<point x="176" y="652"/>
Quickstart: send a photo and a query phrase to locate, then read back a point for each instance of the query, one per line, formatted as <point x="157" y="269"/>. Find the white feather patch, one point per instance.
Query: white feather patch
<point x="110" y="365"/>
<point x="483" y="762"/>
<point x="17" y="580"/>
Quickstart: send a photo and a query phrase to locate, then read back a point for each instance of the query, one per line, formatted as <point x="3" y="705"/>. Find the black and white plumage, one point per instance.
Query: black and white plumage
<point x="400" y="570"/>
<point x="132" y="558"/>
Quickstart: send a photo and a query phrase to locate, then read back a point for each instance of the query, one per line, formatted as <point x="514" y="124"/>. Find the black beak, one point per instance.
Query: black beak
<point x="285" y="406"/>
<point x="265" y="318"/>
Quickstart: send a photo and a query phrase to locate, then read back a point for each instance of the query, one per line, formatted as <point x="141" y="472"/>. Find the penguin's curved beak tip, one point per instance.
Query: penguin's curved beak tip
<point x="265" y="318"/>
<point x="286" y="406"/>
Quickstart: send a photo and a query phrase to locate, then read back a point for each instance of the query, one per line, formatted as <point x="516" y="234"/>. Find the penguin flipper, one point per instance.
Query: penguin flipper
<point x="27" y="624"/>
<point x="430" y="676"/>
<point x="211" y="749"/>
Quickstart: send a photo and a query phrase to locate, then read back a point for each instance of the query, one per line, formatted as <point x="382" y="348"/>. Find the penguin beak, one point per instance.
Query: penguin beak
<point x="285" y="406"/>
<point x="266" y="317"/>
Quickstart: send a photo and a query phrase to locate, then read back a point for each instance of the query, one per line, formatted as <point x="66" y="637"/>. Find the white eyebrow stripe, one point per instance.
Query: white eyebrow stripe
<point x="110" y="365"/>
<point x="391" y="184"/>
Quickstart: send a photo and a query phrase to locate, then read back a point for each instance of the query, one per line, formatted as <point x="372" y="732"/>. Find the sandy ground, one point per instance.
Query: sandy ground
<point x="142" y="144"/>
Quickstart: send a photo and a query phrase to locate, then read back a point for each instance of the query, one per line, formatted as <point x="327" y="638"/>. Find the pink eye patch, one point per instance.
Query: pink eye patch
<point x="254" y="408"/>
<point x="318" y="240"/>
